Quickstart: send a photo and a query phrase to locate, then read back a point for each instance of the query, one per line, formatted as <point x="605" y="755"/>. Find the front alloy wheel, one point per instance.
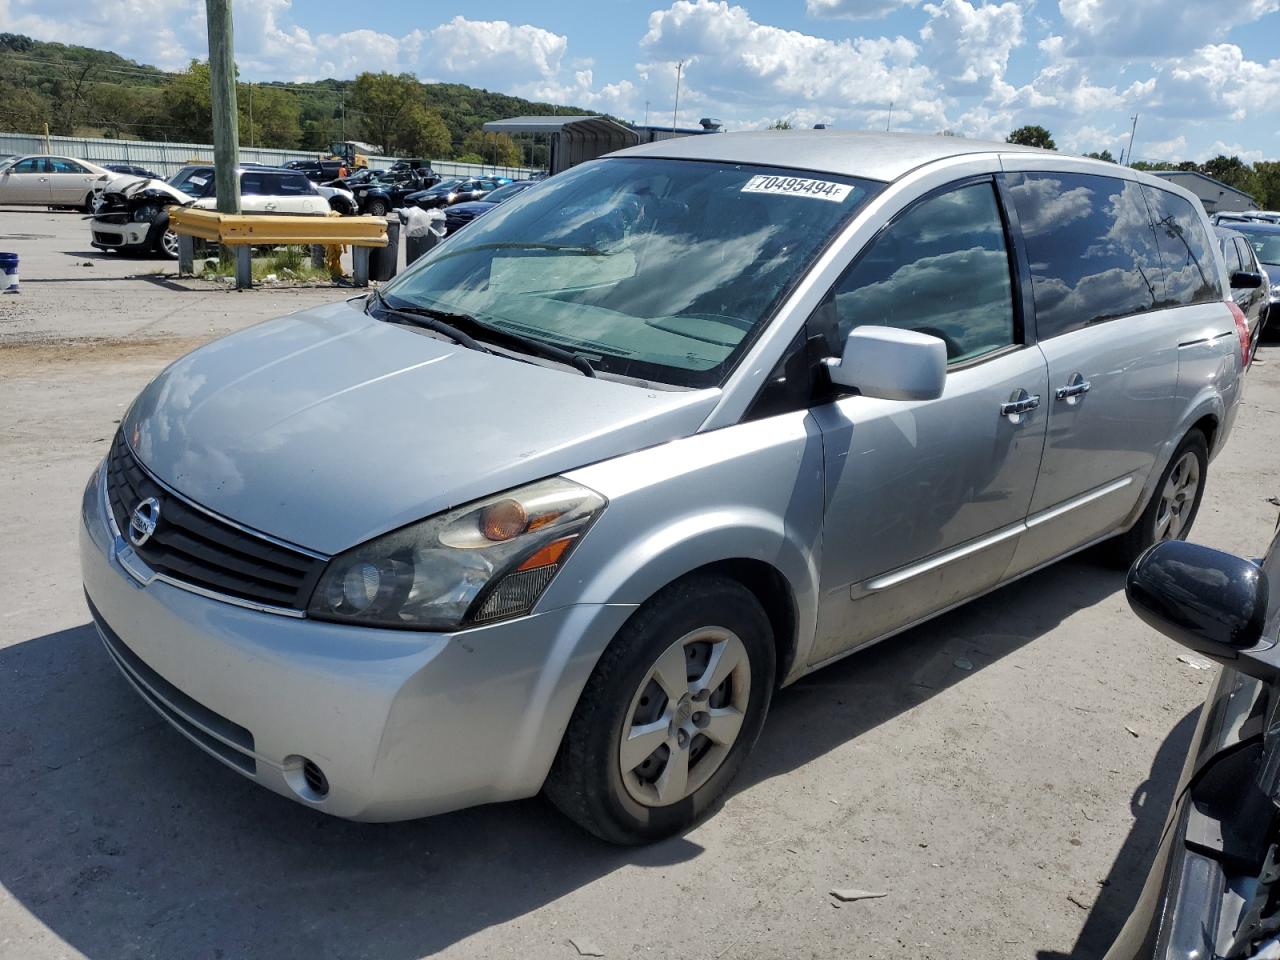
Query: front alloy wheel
<point x="169" y="244"/>
<point x="686" y="717"/>
<point x="669" y="714"/>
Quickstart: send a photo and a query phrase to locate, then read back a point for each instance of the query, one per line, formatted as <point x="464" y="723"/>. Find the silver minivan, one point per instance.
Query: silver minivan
<point x="561" y="506"/>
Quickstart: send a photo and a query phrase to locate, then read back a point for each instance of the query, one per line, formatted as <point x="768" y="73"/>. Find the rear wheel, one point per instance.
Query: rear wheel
<point x="87" y="206"/>
<point x="377" y="208"/>
<point x="1174" y="503"/>
<point x="669" y="714"/>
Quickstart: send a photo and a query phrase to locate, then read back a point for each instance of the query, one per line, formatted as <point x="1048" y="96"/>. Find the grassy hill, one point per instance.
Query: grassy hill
<point x="82" y="91"/>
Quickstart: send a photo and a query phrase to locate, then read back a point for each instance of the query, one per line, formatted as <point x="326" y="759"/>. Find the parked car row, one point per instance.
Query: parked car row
<point x="134" y="216"/>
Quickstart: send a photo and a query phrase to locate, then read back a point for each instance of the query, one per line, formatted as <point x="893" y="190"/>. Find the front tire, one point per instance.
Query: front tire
<point x="669" y="714"/>
<point x="1174" y="503"/>
<point x="165" y="243"/>
<point x="377" y="208"/>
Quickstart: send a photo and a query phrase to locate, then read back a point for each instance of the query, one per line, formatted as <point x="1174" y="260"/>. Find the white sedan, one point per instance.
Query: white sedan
<point x="43" y="180"/>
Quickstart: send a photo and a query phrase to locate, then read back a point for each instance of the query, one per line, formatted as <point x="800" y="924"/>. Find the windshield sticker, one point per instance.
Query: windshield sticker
<point x="799" y="187"/>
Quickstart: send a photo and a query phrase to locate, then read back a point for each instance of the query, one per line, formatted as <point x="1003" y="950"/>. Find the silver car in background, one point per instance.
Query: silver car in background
<point x="561" y="506"/>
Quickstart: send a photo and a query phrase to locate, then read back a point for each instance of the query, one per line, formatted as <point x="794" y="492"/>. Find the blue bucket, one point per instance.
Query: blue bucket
<point x="9" y="270"/>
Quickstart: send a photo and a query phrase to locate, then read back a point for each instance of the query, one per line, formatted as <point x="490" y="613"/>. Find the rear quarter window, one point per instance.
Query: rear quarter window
<point x="1092" y="249"/>
<point x="1190" y="271"/>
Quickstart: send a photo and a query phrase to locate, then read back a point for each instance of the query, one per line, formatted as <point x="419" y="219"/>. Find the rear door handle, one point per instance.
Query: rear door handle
<point x="1074" y="389"/>
<point x="1021" y="402"/>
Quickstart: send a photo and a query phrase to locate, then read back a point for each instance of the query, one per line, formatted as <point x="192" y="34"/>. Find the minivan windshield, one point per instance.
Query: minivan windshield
<point x="654" y="269"/>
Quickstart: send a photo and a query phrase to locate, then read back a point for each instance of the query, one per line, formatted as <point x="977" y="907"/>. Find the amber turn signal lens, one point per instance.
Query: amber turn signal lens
<point x="503" y="520"/>
<point x="548" y="555"/>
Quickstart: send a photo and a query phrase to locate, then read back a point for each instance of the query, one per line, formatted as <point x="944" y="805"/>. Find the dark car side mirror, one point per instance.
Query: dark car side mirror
<point x="1246" y="280"/>
<point x="1211" y="601"/>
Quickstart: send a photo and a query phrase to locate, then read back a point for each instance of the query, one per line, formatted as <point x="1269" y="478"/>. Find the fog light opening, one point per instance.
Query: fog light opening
<point x="306" y="778"/>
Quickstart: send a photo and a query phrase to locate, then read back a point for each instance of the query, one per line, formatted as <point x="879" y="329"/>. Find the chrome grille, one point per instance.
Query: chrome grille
<point x="197" y="548"/>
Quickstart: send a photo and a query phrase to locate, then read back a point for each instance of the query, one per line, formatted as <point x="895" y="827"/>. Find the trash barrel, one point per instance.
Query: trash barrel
<point x="383" y="260"/>
<point x="9" y="272"/>
<point x="414" y="247"/>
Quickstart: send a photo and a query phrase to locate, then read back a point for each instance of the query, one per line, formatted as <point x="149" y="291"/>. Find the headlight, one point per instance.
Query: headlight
<point x="145" y="213"/>
<point x="483" y="562"/>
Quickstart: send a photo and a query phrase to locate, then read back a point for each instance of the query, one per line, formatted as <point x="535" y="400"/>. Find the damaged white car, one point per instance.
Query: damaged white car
<point x="135" y="215"/>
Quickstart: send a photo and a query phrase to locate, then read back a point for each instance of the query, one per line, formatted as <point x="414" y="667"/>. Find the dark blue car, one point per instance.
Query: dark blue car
<point x="460" y="214"/>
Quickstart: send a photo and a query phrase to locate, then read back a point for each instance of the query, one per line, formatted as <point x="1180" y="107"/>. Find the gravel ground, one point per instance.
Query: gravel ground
<point x="1008" y="806"/>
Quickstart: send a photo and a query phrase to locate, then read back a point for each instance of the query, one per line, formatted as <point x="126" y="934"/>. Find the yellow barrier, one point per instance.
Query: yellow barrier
<point x="246" y="230"/>
<point x="254" y="229"/>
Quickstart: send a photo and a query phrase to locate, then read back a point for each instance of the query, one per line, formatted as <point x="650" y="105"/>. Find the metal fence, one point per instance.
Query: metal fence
<point x="167" y="158"/>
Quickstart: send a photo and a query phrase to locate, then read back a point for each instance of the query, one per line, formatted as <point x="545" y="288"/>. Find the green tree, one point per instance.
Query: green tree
<point x="424" y="133"/>
<point x="1267" y="174"/>
<point x="384" y="101"/>
<point x="495" y="148"/>
<point x="186" y="103"/>
<point x="275" y="117"/>
<point x="781" y="124"/>
<point x="1032" y="136"/>
<point x="22" y="110"/>
<point x="1104" y="155"/>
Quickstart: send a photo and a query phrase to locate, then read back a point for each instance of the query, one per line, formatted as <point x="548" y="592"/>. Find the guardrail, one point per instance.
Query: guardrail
<point x="244" y="231"/>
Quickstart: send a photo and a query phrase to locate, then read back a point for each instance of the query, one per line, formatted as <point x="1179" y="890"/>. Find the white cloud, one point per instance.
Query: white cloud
<point x="492" y="52"/>
<point x="968" y="45"/>
<point x="854" y="9"/>
<point x="1152" y="27"/>
<point x="1214" y="82"/>
<point x="1218" y="148"/>
<point x="737" y="65"/>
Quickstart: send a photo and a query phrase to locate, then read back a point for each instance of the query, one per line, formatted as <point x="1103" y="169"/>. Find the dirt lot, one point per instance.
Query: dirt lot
<point x="1005" y="806"/>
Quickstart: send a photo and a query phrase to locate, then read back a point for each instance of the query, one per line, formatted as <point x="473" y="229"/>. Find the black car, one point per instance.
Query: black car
<point x="379" y="196"/>
<point x="132" y="170"/>
<point x="319" y="171"/>
<point x="455" y="190"/>
<point x="460" y="214"/>
<point x="1250" y="286"/>
<point x="1214" y="890"/>
<point x="1265" y="240"/>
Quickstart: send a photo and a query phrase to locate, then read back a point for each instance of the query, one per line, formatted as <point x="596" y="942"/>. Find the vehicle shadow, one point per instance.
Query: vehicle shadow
<point x="1120" y="889"/>
<point x="123" y="839"/>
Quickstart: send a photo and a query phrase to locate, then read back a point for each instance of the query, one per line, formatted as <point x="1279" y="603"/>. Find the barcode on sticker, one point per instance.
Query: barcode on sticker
<point x="798" y="187"/>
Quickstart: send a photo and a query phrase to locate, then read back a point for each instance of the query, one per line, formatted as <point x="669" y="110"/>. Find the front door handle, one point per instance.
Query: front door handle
<point x="1019" y="404"/>
<point x="1075" y="388"/>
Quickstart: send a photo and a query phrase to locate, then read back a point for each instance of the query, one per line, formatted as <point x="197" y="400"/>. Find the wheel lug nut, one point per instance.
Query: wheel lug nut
<point x="682" y="738"/>
<point x="701" y="719"/>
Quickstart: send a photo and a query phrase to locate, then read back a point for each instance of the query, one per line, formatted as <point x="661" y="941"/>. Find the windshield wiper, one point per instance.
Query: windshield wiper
<point x="431" y="320"/>
<point x="444" y="322"/>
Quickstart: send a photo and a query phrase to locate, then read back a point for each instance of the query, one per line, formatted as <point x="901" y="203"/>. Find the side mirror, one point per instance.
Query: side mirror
<point x="1246" y="280"/>
<point x="891" y="364"/>
<point x="1213" y="602"/>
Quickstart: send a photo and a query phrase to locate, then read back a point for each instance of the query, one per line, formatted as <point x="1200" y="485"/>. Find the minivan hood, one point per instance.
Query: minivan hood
<point x="328" y="427"/>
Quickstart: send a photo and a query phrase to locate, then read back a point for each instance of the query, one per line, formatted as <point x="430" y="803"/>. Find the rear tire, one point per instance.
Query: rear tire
<point x="377" y="208"/>
<point x="697" y="632"/>
<point x="1174" y="502"/>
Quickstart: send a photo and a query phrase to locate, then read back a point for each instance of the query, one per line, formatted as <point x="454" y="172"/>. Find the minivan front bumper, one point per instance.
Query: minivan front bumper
<point x="401" y="723"/>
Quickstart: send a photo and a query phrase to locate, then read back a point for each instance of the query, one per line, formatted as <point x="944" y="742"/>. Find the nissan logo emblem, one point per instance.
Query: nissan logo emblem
<point x="142" y="524"/>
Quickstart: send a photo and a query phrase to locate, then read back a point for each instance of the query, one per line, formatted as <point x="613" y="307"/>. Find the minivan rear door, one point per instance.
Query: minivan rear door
<point x="925" y="499"/>
<point x="1112" y="354"/>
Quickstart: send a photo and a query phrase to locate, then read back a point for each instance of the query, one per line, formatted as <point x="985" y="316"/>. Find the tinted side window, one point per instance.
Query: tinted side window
<point x="1247" y="261"/>
<point x="29" y="166"/>
<point x="288" y="185"/>
<point x="62" y="165"/>
<point x="1230" y="254"/>
<point x="941" y="268"/>
<point x="1191" y="275"/>
<point x="253" y="184"/>
<point x="1092" y="249"/>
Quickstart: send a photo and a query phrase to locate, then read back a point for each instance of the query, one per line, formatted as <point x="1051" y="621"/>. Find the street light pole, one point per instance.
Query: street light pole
<point x="1132" y="131"/>
<point x="222" y="90"/>
<point x="676" y="111"/>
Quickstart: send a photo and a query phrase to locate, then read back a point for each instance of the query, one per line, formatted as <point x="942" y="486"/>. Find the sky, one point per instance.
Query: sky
<point x="1202" y="76"/>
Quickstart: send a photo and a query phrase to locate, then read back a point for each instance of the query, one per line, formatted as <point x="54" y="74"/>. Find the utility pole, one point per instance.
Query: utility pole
<point x="676" y="110"/>
<point x="1132" y="131"/>
<point x="251" y="113"/>
<point x="646" y="113"/>
<point x="889" y="122"/>
<point x="222" y="84"/>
